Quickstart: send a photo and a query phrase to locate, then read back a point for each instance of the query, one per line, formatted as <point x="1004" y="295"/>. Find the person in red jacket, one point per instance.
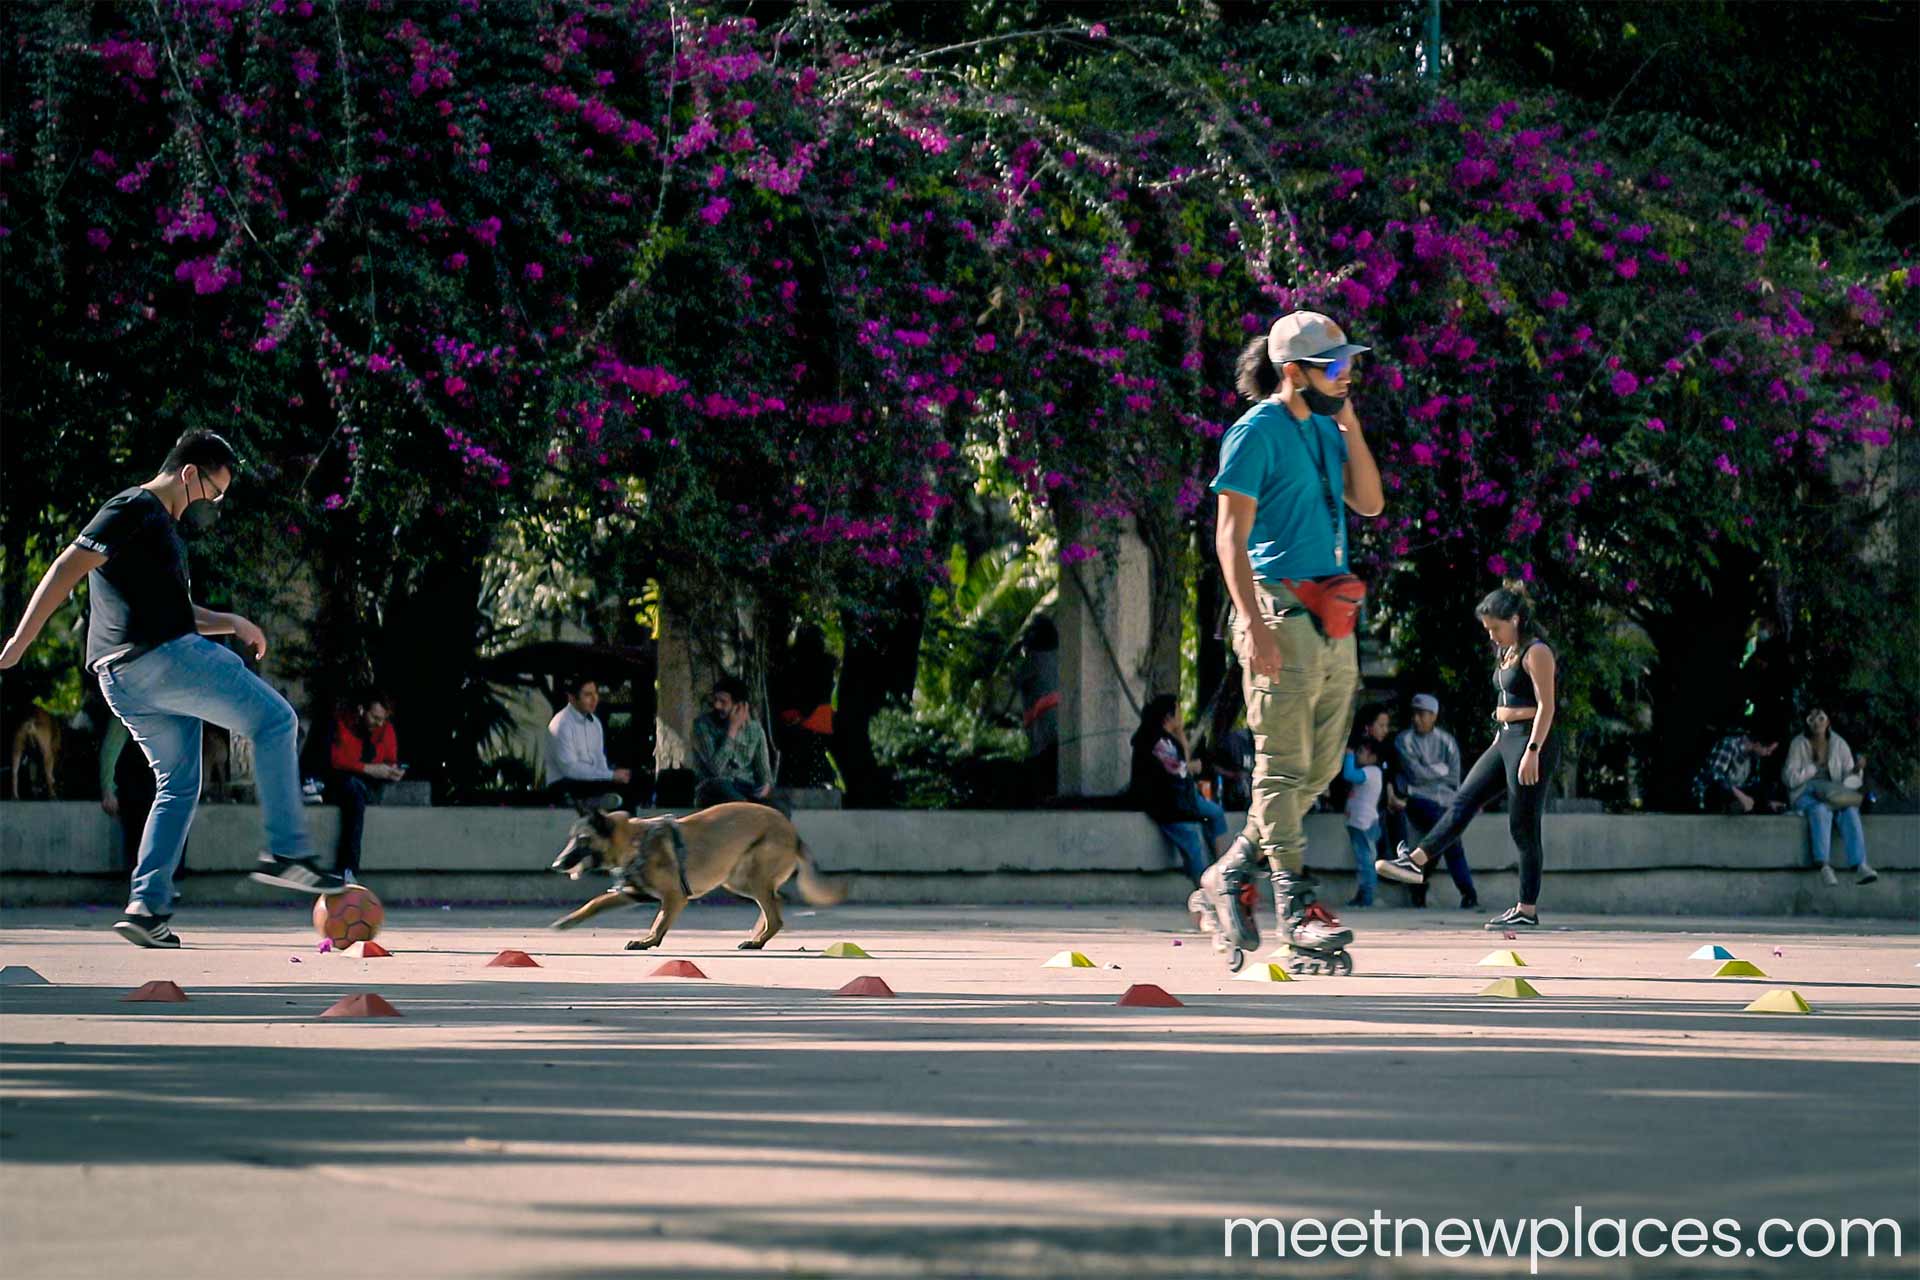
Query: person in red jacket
<point x="364" y="759"/>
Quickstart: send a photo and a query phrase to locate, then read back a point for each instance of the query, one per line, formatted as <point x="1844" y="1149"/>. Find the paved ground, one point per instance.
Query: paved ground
<point x="581" y="1120"/>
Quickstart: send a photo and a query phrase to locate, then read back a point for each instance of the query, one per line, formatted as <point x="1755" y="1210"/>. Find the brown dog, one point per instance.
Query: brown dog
<point x="749" y="849"/>
<point x="38" y="732"/>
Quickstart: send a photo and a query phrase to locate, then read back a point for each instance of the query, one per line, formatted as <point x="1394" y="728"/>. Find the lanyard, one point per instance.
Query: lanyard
<point x="1326" y="485"/>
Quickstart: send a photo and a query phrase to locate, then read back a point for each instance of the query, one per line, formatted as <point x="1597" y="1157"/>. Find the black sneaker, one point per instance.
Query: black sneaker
<point x="296" y="873"/>
<point x="148" y="931"/>
<point x="1401" y="867"/>
<point x="1470" y="904"/>
<point x="1513" y="918"/>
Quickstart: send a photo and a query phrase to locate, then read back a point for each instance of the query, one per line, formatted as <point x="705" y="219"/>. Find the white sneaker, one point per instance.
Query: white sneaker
<point x="1827" y="877"/>
<point x="348" y="877"/>
<point x="1867" y="875"/>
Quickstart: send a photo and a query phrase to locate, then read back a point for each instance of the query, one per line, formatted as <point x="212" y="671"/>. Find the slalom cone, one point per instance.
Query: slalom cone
<point x="1509" y="959"/>
<point x="1512" y="989"/>
<point x="846" y="951"/>
<point x="370" y="1005"/>
<point x="1263" y="973"/>
<point x="1739" y="969"/>
<point x="1068" y="960"/>
<point x="1783" y="1001"/>
<point x="1145" y="995"/>
<point x="511" y="959"/>
<point x="1712" y="951"/>
<point x="19" y="975"/>
<point x="161" y="992"/>
<point x="368" y="950"/>
<point x="678" y="969"/>
<point x="868" y="986"/>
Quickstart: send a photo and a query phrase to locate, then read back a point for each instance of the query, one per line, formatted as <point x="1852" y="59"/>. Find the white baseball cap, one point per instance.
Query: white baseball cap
<point x="1308" y="335"/>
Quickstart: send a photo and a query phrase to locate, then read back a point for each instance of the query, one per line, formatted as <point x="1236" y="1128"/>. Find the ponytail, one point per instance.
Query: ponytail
<point x="1254" y="375"/>
<point x="1511" y="600"/>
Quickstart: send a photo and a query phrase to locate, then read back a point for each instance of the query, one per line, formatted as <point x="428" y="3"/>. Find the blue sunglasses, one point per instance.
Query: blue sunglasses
<point x="1333" y="368"/>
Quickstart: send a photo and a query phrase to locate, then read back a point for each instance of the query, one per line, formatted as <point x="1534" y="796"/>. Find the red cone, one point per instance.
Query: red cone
<point x="161" y="992"/>
<point x="368" y="950"/>
<point x="866" y="987"/>
<point x="366" y="1006"/>
<point x="513" y="960"/>
<point x="1144" y="995"/>
<point x="678" y="969"/>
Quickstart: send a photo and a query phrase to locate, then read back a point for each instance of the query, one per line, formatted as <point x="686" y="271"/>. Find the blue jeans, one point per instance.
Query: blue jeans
<point x="1820" y="823"/>
<point x="1366" y="845"/>
<point x="1194" y="840"/>
<point x="162" y="697"/>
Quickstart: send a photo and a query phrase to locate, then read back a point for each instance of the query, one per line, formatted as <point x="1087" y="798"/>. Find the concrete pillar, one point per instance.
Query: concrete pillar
<point x="1105" y="619"/>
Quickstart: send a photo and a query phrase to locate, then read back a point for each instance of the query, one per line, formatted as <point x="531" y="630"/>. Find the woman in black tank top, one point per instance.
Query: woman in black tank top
<point x="1522" y="755"/>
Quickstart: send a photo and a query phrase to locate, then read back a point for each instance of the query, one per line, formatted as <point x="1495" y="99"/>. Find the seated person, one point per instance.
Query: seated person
<point x="730" y="757"/>
<point x="364" y="758"/>
<point x="1825" y="780"/>
<point x="1162" y="788"/>
<point x="1725" y="783"/>
<point x="577" y="768"/>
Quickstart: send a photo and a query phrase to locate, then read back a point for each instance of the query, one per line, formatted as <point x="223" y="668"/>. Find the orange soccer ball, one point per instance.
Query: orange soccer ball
<point x="349" y="917"/>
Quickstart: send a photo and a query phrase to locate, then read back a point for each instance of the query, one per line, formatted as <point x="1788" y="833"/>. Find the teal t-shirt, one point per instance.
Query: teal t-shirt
<point x="1271" y="456"/>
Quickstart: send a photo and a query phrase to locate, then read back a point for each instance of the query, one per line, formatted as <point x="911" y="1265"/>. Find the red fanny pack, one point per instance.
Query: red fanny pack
<point x="1334" y="602"/>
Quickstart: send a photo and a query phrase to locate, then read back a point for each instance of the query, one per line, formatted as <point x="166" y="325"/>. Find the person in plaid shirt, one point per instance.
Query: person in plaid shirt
<point x="1717" y="788"/>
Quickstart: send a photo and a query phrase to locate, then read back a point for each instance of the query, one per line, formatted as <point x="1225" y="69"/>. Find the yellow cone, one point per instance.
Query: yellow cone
<point x="1780" y="1002"/>
<point x="1512" y="989"/>
<point x="1263" y="973"/>
<point x="1739" y="969"/>
<point x="1511" y="959"/>
<point x="1068" y="960"/>
<point x="845" y="951"/>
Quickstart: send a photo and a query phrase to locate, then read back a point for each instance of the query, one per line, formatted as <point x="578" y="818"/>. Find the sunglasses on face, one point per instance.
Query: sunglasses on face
<point x="1334" y="367"/>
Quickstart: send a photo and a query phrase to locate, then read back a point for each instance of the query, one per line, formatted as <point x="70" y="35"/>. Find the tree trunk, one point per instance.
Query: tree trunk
<point x="881" y="662"/>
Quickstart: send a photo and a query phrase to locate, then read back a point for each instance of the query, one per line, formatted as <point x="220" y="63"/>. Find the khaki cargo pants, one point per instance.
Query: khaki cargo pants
<point x="1299" y="719"/>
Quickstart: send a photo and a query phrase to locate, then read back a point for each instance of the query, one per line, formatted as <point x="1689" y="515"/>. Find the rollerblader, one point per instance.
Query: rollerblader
<point x="1281" y="536"/>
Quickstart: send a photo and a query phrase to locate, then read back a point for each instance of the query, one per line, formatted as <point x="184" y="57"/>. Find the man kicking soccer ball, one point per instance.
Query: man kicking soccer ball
<point x="145" y="641"/>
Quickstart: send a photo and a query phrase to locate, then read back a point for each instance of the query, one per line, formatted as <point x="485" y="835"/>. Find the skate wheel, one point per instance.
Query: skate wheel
<point x="1236" y="959"/>
<point x="1343" y="964"/>
<point x="1301" y="966"/>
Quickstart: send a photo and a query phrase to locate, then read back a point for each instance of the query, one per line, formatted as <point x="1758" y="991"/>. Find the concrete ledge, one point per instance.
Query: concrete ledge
<point x="63" y="853"/>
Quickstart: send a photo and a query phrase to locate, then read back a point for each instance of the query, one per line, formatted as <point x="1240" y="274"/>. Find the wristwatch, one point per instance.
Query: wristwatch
<point x="1533" y="746"/>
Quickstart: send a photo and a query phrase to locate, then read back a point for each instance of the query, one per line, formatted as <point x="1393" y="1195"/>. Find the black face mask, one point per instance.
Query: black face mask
<point x="200" y="516"/>
<point x="1322" y="403"/>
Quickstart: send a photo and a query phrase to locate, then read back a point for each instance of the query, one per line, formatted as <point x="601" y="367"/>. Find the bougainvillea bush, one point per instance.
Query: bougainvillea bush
<point x="749" y="307"/>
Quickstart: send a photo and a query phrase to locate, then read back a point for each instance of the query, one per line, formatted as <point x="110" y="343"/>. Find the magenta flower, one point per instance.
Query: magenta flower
<point x="984" y="343"/>
<point x="1497" y="565"/>
<point x="455" y="385"/>
<point x="1625" y="383"/>
<point x="1726" y="465"/>
<point x="536" y="272"/>
<point x="714" y="210"/>
<point x="1655" y="424"/>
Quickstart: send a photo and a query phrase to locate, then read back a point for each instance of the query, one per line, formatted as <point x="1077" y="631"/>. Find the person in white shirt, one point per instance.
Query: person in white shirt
<point x="1823" y="782"/>
<point x="576" y="762"/>
<point x="1363" y="773"/>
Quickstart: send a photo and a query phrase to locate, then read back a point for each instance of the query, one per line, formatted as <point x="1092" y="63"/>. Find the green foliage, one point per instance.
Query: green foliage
<point x="948" y="756"/>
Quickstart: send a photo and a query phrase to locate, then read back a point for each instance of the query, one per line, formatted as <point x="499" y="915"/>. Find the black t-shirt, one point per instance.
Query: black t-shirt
<point x="141" y="597"/>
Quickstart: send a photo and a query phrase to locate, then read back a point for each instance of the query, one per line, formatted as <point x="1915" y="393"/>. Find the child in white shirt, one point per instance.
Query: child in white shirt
<point x="1361" y="768"/>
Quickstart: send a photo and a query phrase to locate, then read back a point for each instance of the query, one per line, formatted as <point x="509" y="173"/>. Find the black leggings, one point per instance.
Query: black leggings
<point x="1501" y="762"/>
